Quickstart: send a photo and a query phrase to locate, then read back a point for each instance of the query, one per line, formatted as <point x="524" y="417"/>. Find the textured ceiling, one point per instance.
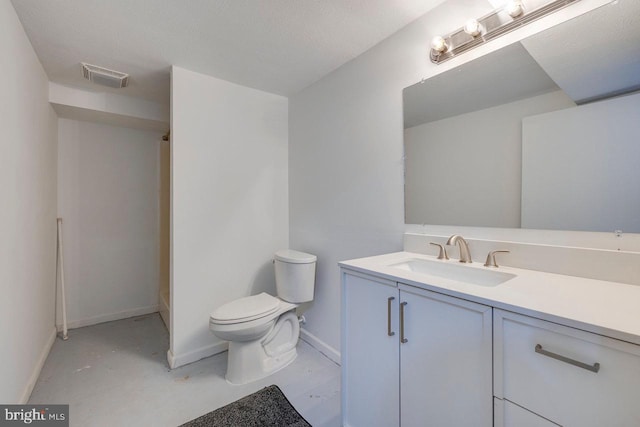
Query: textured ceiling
<point x="278" y="46"/>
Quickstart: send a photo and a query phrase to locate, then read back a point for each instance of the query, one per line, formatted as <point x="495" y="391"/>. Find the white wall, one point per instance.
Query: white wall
<point x="580" y="167"/>
<point x="482" y="186"/>
<point x="229" y="202"/>
<point x="108" y="184"/>
<point x="346" y="156"/>
<point x="28" y="214"/>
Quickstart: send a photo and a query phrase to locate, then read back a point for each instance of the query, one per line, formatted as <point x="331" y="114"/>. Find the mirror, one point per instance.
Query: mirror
<point x="542" y="134"/>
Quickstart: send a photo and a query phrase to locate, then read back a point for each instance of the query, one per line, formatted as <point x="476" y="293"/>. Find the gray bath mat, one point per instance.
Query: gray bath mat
<point x="267" y="407"/>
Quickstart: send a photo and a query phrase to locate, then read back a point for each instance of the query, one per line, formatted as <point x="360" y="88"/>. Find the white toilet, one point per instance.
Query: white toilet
<point x="263" y="330"/>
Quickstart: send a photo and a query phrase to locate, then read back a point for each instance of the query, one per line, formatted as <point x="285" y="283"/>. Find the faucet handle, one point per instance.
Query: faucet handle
<point x="443" y="251"/>
<point x="491" y="259"/>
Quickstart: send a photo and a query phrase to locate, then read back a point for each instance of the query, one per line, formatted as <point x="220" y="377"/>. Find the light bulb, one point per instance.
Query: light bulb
<point x="438" y="44"/>
<point x="514" y="8"/>
<point x="472" y="27"/>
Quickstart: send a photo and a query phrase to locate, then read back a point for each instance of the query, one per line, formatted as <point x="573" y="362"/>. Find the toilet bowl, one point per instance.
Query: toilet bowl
<point x="263" y="330"/>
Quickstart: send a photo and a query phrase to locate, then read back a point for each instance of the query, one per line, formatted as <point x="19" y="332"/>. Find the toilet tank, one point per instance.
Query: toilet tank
<point x="295" y="275"/>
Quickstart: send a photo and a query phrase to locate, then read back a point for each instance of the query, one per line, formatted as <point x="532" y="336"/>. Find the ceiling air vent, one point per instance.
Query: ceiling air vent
<point x="104" y="76"/>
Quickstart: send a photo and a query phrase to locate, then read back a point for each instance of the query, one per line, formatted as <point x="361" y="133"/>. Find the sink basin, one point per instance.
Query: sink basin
<point x="457" y="272"/>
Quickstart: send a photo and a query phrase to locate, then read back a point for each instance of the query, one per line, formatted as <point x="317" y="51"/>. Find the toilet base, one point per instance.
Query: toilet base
<point x="253" y="360"/>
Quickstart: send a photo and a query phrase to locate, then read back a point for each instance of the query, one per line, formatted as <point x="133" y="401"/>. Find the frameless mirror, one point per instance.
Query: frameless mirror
<point x="543" y="134"/>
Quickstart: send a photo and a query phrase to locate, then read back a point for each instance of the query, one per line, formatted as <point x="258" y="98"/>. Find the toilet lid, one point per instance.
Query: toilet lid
<point x="246" y="309"/>
<point x="295" y="257"/>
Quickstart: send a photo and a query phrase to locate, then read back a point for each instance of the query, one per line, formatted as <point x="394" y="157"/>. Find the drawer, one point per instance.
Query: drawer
<point x="550" y="370"/>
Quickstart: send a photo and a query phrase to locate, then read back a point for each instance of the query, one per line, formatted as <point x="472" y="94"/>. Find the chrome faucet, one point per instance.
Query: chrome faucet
<point x="465" y="255"/>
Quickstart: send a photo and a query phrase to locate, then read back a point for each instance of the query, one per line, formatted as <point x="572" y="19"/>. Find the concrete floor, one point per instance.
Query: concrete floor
<point x="116" y="374"/>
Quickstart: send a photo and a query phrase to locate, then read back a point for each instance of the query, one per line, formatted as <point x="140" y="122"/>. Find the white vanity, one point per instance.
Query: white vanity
<point x="539" y="159"/>
<point x="430" y="342"/>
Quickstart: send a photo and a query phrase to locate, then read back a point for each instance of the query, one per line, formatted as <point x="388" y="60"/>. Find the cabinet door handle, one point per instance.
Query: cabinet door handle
<point x="402" y="338"/>
<point x="593" y="368"/>
<point x="389" y="331"/>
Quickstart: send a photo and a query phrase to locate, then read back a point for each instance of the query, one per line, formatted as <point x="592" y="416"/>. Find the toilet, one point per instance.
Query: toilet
<point x="263" y="330"/>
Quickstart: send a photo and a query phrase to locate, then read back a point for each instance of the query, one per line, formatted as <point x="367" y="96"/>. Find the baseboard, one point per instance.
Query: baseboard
<point x="140" y="311"/>
<point x="24" y="398"/>
<point x="175" y="361"/>
<point x="320" y="345"/>
<point x="164" y="314"/>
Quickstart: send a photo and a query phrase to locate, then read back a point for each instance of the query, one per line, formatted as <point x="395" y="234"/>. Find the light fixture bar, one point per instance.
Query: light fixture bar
<point x="494" y="25"/>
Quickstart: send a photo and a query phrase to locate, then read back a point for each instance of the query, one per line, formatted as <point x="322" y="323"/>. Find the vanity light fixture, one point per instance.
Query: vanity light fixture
<point x="473" y="27"/>
<point x="438" y="44"/>
<point x="514" y="8"/>
<point x="512" y="15"/>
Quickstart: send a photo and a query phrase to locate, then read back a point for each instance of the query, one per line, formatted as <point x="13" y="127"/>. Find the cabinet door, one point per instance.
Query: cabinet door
<point x="370" y="355"/>
<point x="446" y="361"/>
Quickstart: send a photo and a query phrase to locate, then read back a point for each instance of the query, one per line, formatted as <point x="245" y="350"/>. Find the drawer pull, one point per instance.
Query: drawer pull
<point x="402" y="338"/>
<point x="593" y="368"/>
<point x="389" y="331"/>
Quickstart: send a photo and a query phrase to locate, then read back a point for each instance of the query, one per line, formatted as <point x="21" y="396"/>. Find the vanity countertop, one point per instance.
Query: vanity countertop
<point x="606" y="308"/>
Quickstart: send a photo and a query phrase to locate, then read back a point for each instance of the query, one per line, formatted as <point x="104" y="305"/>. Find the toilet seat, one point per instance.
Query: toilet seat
<point x="245" y="309"/>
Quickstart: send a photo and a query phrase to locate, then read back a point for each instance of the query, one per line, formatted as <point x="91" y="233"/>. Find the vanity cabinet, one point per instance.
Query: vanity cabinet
<point x="566" y="376"/>
<point x="412" y="357"/>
